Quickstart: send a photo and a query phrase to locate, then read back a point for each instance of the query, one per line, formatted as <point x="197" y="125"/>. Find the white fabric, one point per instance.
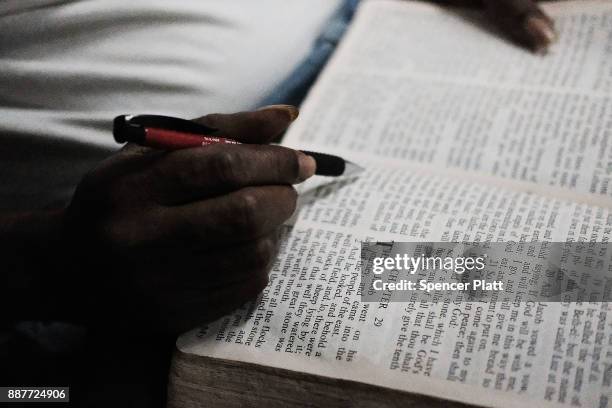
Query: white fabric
<point x="68" y="67"/>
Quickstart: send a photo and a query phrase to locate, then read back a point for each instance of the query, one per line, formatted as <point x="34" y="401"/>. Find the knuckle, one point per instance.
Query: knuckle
<point x="227" y="167"/>
<point x="246" y="210"/>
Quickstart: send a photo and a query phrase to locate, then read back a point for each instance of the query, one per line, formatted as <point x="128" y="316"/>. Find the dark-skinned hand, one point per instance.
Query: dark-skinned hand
<point x="523" y="21"/>
<point x="174" y="239"/>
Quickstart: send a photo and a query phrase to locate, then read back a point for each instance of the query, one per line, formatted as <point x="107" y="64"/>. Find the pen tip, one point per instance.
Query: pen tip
<point x="351" y="169"/>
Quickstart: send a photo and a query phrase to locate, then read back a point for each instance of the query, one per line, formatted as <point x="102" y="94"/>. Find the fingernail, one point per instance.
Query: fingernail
<point x="541" y="32"/>
<point x="308" y="166"/>
<point x="290" y="110"/>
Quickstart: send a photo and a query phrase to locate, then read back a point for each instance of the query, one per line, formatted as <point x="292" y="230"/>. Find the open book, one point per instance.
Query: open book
<point x="463" y="136"/>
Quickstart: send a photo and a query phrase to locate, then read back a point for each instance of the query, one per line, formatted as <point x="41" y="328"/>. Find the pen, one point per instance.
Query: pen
<point x="168" y="133"/>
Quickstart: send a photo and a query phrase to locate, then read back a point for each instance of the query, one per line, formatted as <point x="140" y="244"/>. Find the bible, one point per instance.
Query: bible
<point x="464" y="137"/>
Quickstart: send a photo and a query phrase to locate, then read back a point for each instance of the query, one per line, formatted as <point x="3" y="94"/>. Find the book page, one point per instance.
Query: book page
<point x="434" y="86"/>
<point x="311" y="317"/>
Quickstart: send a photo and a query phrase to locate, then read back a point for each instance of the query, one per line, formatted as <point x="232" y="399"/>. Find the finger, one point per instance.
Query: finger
<point x="190" y="174"/>
<point x="188" y="309"/>
<point x="240" y="263"/>
<point x="524" y="22"/>
<point x="193" y="268"/>
<point x="241" y="216"/>
<point x="261" y="126"/>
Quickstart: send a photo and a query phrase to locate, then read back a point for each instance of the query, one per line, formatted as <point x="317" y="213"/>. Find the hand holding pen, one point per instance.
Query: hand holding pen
<point x="177" y="238"/>
<point x="169" y="133"/>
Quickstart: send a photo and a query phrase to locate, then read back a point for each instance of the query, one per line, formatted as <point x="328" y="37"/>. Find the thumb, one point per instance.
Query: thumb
<point x="261" y="126"/>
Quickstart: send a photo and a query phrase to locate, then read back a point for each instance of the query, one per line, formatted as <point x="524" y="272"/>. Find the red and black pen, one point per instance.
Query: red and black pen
<point x="168" y="133"/>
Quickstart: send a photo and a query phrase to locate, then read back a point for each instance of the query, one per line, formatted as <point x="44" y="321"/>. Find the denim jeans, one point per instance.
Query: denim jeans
<point x="295" y="87"/>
